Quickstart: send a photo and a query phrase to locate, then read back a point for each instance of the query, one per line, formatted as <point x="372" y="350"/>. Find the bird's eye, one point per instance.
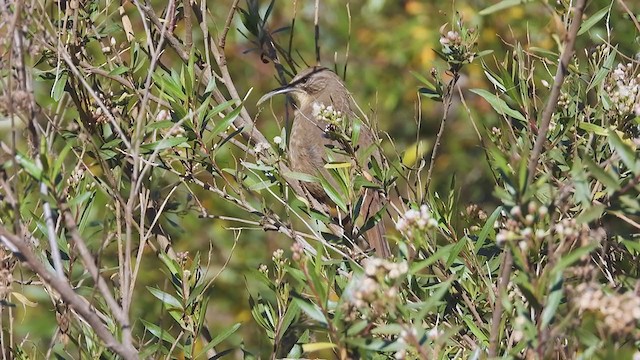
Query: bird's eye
<point x="304" y="80"/>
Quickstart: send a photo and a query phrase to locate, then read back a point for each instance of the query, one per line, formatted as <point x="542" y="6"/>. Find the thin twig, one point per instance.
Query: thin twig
<point x="90" y="264"/>
<point x="552" y="102"/>
<point x="227" y="25"/>
<point x="188" y="41"/>
<point x="18" y="38"/>
<point x="448" y="100"/>
<point x="503" y="281"/>
<point x="346" y="53"/>
<point x="630" y="13"/>
<point x="23" y="252"/>
<point x="316" y="27"/>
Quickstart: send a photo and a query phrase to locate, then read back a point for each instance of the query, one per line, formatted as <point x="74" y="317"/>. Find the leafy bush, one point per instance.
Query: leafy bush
<point x="127" y="134"/>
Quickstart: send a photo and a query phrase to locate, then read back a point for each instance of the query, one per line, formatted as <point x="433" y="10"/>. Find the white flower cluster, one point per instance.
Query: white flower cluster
<point x="261" y="147"/>
<point x="451" y="38"/>
<point x="76" y="176"/>
<point x="379" y="286"/>
<point x="327" y="113"/>
<point x="263" y="268"/>
<point x="410" y="336"/>
<point x="163" y="115"/>
<point x="405" y="338"/>
<point x="376" y="267"/>
<point x="458" y="47"/>
<point x="624" y="89"/>
<point x="277" y="255"/>
<point x="413" y="220"/>
<point x="620" y="312"/>
<point x="521" y="226"/>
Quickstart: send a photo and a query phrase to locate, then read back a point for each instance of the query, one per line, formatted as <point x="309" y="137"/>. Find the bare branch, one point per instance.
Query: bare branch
<point x="552" y="102"/>
<point x="76" y="302"/>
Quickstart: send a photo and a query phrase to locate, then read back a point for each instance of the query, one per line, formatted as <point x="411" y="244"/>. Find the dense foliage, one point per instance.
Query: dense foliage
<point x="148" y="209"/>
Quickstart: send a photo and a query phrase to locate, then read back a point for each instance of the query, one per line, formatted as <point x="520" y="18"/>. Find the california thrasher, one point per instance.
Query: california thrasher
<point x="310" y="140"/>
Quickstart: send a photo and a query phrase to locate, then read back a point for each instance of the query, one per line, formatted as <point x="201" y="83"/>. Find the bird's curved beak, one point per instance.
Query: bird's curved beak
<point x="282" y="90"/>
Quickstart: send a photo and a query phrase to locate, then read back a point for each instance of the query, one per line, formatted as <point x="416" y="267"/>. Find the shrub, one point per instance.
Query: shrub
<point x="137" y="136"/>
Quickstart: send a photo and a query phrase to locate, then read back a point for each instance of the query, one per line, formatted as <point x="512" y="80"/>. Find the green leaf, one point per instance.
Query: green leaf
<point x="632" y="245"/>
<point x="218" y="339"/>
<point x="333" y="194"/>
<point x="164" y="124"/>
<point x="594" y="19"/>
<point x="388" y="329"/>
<point x="58" y="86"/>
<point x="158" y="332"/>
<point x="498" y="104"/>
<point x="488" y="227"/>
<point x="592" y="213"/>
<point x="422" y="79"/>
<point x="169" y="86"/>
<point x="30" y="167"/>
<point x="375" y="345"/>
<point x="171" y="264"/>
<point x="593" y="128"/>
<point x="440" y="253"/>
<point x="435" y="298"/>
<point x="291" y="314"/>
<point x="57" y="164"/>
<point x="553" y="300"/>
<point x="312" y="347"/>
<point x="455" y="251"/>
<point x="258" y="167"/>
<point x="169" y="300"/>
<point x="357" y="327"/>
<point x="300" y="176"/>
<point x="79" y="199"/>
<point x="119" y="70"/>
<point x="260" y="185"/>
<point x="310" y="309"/>
<point x="226" y="122"/>
<point x="430" y="93"/>
<point x="483" y="53"/>
<point x="627" y="155"/>
<point x="165" y="144"/>
<point x="493" y="78"/>
<point x="603" y="71"/>
<point x="606" y="178"/>
<point x="356" y="127"/>
<point x="480" y="335"/>
<point x="572" y="257"/>
<point x="505" y="4"/>
<point x="210" y="86"/>
<point x="263" y="314"/>
<point x="337" y="165"/>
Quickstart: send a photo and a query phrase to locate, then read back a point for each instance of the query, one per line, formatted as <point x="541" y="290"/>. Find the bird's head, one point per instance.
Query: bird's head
<point x="310" y="84"/>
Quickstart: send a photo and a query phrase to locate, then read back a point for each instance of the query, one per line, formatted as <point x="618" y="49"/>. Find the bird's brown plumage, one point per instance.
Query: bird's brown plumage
<point x="309" y="140"/>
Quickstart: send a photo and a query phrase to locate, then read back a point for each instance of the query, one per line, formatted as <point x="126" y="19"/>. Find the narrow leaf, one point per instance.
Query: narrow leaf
<point x="498" y="104"/>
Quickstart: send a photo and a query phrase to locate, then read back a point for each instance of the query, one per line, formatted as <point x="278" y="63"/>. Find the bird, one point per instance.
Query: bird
<point x="313" y="89"/>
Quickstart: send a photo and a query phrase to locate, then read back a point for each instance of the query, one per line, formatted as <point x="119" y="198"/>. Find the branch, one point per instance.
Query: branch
<point x="448" y="99"/>
<point x="503" y="280"/>
<point x="23" y="252"/>
<point x="90" y="264"/>
<point x="630" y="13"/>
<point x="562" y="71"/>
<point x="227" y="25"/>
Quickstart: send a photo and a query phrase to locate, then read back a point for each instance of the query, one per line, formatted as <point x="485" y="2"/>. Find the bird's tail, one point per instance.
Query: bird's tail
<point x="375" y="236"/>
